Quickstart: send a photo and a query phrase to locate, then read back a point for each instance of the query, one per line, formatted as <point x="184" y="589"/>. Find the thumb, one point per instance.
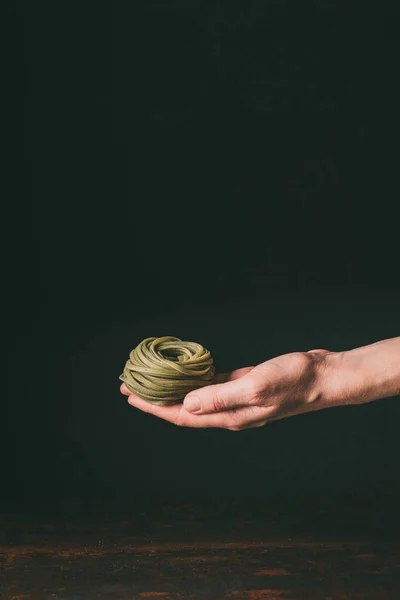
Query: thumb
<point x="219" y="397"/>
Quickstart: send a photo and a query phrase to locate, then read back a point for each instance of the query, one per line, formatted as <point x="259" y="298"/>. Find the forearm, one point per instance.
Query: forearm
<point x="364" y="374"/>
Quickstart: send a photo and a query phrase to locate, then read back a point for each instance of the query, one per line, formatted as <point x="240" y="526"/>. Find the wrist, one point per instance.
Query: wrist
<point x="364" y="374"/>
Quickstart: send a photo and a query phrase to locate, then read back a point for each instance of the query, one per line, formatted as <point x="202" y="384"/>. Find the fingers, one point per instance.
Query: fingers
<point x="319" y="351"/>
<point x="168" y="413"/>
<point x="219" y="404"/>
<point x="124" y="390"/>
<point x="239" y="373"/>
<point x="233" y="420"/>
<point x="219" y="378"/>
<point x="224" y="377"/>
<point x="220" y="397"/>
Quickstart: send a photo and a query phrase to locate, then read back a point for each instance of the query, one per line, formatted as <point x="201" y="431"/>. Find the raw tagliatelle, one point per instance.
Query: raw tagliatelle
<point x="163" y="370"/>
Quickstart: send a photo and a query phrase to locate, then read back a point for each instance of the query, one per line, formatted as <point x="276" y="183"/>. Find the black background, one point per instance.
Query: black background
<point x="225" y="172"/>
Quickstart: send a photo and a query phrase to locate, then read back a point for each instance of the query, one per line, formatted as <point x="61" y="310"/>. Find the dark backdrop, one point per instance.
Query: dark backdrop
<point x="225" y="172"/>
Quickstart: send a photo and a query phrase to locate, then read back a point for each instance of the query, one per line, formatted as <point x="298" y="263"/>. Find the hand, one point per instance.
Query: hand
<point x="250" y="397"/>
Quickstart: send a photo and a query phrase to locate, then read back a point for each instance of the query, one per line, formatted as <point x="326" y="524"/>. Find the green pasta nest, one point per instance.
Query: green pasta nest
<point x="163" y="370"/>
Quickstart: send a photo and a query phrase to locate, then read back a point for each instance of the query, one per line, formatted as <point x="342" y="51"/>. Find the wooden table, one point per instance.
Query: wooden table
<point x="191" y="553"/>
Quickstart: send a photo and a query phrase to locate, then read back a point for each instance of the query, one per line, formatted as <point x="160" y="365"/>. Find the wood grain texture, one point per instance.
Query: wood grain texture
<point x="184" y="559"/>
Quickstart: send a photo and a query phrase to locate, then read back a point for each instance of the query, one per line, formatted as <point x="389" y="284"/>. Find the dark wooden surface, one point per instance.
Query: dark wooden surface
<point x="312" y="553"/>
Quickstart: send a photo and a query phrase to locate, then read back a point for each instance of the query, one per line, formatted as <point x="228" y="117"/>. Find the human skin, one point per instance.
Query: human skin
<point x="286" y="386"/>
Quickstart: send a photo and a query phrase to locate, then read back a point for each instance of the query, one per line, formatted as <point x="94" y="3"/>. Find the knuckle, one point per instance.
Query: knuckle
<point x="180" y="420"/>
<point x="300" y="360"/>
<point x="298" y="364"/>
<point x="237" y="427"/>
<point x="217" y="402"/>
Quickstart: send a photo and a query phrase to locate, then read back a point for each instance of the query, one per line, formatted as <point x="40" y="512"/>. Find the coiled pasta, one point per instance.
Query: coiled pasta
<point x="163" y="370"/>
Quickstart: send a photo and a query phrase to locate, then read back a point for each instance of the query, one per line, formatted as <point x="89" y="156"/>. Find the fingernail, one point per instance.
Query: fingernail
<point x="192" y="404"/>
